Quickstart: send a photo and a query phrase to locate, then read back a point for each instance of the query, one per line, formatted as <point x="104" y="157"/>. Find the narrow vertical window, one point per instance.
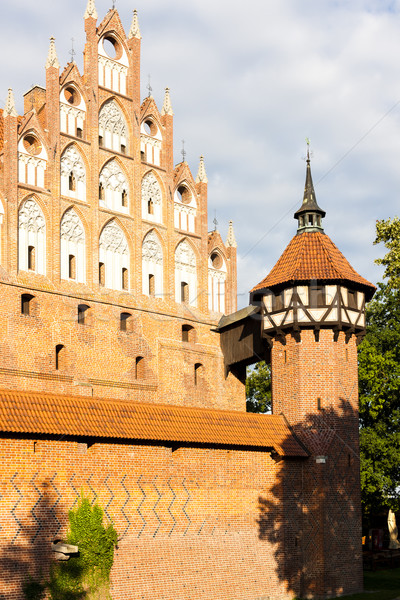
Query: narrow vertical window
<point x="124" y="278"/>
<point x="139" y="367"/>
<point x="124" y="198"/>
<point x="102" y="274"/>
<point x="188" y="333"/>
<point x="101" y="192"/>
<point x="82" y="313"/>
<point x="31" y="258"/>
<point x="79" y="132"/>
<point x="150" y="206"/>
<point x="26" y="304"/>
<point x="124" y="321"/>
<point x="100" y="141"/>
<point x="71" y="182"/>
<point x="152" y="285"/>
<point x="184" y="292"/>
<point x="198" y="372"/>
<point x="71" y="266"/>
<point x="60" y="356"/>
<point x="123" y="149"/>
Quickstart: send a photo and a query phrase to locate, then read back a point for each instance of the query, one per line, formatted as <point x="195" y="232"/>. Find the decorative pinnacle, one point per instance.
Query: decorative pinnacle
<point x="134" y="31"/>
<point x="231" y="240"/>
<point x="10" y="109"/>
<point x="167" y="106"/>
<point x="52" y="60"/>
<point x="201" y="173"/>
<point x="90" y="10"/>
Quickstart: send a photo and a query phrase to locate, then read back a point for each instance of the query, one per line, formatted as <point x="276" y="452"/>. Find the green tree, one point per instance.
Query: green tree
<point x="379" y="380"/>
<point x="258" y="388"/>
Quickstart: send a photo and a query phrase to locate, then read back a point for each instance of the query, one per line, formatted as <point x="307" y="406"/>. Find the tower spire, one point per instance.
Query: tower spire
<point x="134" y="31"/>
<point x="231" y="240"/>
<point x="10" y="104"/>
<point x="90" y="10"/>
<point x="167" y="106"/>
<point x="52" y="60"/>
<point x="309" y="215"/>
<point x="201" y="173"/>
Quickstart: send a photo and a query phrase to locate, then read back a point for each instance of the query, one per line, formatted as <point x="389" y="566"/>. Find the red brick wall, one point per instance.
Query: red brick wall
<point x="330" y="536"/>
<point x="192" y="523"/>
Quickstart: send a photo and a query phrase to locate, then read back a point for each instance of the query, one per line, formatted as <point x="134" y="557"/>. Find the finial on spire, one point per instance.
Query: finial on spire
<point x="215" y="221"/>
<point x="309" y="215"/>
<point x="90" y="10"/>
<point x="10" y="104"/>
<point x="231" y="240"/>
<point x="52" y="60"/>
<point x="167" y="106"/>
<point x="183" y="151"/>
<point x="149" y="87"/>
<point x="201" y="173"/>
<point x="134" y="31"/>
<point x="72" y="51"/>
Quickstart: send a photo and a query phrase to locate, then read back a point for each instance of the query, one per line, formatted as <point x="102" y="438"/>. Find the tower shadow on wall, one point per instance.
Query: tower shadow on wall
<point x="28" y="555"/>
<point x="312" y="516"/>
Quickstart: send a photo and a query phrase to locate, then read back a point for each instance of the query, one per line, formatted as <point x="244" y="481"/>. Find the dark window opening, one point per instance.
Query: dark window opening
<point x="101" y="192"/>
<point x="26" y="304"/>
<point x="79" y="132"/>
<point x="100" y="141"/>
<point x="188" y="333"/>
<point x="31" y="258"/>
<point x="123" y="149"/>
<point x="198" y="373"/>
<point x="150" y="206"/>
<point x="124" y="198"/>
<point x="317" y="296"/>
<point x="139" y="367"/>
<point x="102" y="274"/>
<point x="124" y="279"/>
<point x="184" y="292"/>
<point x="310" y="220"/>
<point x="71" y="182"/>
<point x="352" y="299"/>
<point x="142" y="155"/>
<point x="82" y="313"/>
<point x="60" y="356"/>
<point x="71" y="266"/>
<point x="277" y="301"/>
<point x="124" y="321"/>
<point x="152" y="285"/>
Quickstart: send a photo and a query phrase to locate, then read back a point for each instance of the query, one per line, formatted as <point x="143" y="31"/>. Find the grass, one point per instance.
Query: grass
<point x="379" y="585"/>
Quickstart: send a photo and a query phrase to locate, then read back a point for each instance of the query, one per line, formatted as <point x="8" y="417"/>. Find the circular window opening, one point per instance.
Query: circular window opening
<point x="150" y="128"/>
<point x="184" y="194"/>
<point x="32" y="145"/>
<point x="111" y="47"/>
<point x="216" y="260"/>
<point x="72" y="96"/>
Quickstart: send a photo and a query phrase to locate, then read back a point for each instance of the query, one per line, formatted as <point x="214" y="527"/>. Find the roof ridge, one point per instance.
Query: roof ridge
<point x="299" y="255"/>
<point x="327" y="254"/>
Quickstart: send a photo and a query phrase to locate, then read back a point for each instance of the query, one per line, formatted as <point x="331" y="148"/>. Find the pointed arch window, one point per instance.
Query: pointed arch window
<point x="113" y="187"/>
<point x="73" y="254"/>
<point x="73" y="174"/>
<point x="152" y="266"/>
<point x="114" y="256"/>
<point x="217" y="275"/>
<point x="151" y="199"/>
<point x="112" y="127"/>
<point x="185" y="274"/>
<point x="31" y="238"/>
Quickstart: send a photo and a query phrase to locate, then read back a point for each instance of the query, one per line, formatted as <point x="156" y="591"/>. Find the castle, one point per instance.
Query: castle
<point x="123" y="358"/>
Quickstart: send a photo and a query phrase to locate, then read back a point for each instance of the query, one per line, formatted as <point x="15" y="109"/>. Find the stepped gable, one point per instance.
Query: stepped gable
<point x="313" y="255"/>
<point x="28" y="412"/>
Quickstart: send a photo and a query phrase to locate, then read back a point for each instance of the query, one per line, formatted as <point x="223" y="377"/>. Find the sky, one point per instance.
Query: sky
<point x="249" y="83"/>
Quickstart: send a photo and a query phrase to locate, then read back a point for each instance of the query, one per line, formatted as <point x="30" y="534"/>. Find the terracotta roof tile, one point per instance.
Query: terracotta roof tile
<point x="40" y="413"/>
<point x="312" y="255"/>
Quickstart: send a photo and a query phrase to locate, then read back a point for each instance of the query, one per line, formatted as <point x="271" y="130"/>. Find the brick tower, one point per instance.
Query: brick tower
<point x="313" y="305"/>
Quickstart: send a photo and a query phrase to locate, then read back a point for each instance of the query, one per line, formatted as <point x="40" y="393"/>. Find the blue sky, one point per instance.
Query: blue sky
<point x="248" y="85"/>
